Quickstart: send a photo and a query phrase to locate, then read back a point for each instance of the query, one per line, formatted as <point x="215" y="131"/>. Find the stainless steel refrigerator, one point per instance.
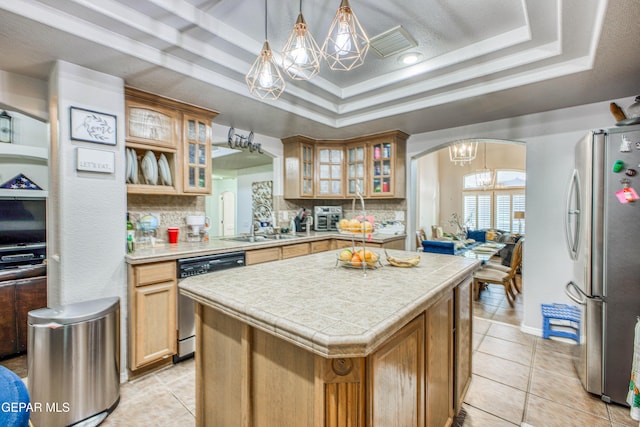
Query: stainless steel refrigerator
<point x="603" y="238"/>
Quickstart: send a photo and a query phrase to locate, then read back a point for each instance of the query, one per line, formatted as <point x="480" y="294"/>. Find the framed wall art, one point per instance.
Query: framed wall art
<point x="92" y="126"/>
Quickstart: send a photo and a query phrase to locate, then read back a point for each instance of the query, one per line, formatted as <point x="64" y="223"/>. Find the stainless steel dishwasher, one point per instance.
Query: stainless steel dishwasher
<point x="195" y="266"/>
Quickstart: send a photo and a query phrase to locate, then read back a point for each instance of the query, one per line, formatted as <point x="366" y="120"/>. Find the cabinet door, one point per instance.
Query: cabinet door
<point x="31" y="294"/>
<point x="151" y="125"/>
<point x="463" y="340"/>
<point x="8" y="330"/>
<point x="306" y="172"/>
<point x="439" y="362"/>
<point x="330" y="167"/>
<point x="356" y="166"/>
<point x="382" y="168"/>
<point x="396" y="379"/>
<point x="197" y="155"/>
<point x="154" y="322"/>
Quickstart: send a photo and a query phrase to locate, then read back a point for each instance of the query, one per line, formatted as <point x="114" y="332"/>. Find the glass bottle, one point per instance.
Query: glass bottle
<point x="633" y="110"/>
<point x="130" y="235"/>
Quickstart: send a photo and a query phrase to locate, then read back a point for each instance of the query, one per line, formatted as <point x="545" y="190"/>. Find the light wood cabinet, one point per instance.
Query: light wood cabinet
<point x="258" y="256"/>
<point x="197" y="158"/>
<point x="329" y="171"/>
<point x="161" y="128"/>
<point x="463" y="335"/>
<point x="299" y="161"/>
<point x="439" y="362"/>
<point x="320" y="246"/>
<point x="374" y="164"/>
<point x="396" y="379"/>
<point x="299" y="249"/>
<point x="152" y="316"/>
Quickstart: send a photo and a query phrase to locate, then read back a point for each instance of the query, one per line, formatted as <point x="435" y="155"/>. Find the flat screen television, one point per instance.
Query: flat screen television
<point x="22" y="221"/>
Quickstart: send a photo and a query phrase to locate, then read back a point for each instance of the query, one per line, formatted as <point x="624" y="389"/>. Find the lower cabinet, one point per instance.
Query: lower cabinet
<point x="258" y="256"/>
<point x="17" y="299"/>
<point x="291" y="251"/>
<point x="152" y="324"/>
<point x="439" y="362"/>
<point x="463" y="335"/>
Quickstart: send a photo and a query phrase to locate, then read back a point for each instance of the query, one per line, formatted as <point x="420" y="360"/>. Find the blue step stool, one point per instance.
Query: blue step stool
<point x="569" y="317"/>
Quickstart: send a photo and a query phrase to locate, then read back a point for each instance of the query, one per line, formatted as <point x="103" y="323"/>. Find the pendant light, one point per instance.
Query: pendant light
<point x="463" y="152"/>
<point x="484" y="176"/>
<point x="346" y="44"/>
<point x="264" y="78"/>
<point x="301" y="54"/>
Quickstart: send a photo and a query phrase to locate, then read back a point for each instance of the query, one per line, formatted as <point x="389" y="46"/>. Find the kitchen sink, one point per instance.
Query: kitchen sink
<point x="261" y="238"/>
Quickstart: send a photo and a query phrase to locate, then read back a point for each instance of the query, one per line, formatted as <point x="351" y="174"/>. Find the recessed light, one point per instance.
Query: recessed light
<point x="409" y="58"/>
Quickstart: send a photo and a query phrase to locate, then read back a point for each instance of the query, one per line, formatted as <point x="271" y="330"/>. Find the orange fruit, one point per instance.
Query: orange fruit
<point x="346" y="255"/>
<point x="354" y="225"/>
<point x="356" y="261"/>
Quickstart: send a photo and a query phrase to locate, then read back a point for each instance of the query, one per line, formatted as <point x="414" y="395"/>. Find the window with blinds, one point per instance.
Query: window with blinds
<point x="495" y="208"/>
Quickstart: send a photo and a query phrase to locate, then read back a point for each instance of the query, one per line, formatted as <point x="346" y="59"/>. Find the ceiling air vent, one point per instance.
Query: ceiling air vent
<point x="392" y="41"/>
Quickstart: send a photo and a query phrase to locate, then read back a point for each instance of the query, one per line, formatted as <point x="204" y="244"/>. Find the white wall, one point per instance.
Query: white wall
<point x="25" y="94"/>
<point x="428" y="189"/>
<point x="213" y="203"/>
<point x="550" y="138"/>
<point x="87" y="233"/>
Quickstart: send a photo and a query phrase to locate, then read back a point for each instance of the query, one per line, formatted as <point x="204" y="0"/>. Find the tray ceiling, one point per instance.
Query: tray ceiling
<point x="481" y="60"/>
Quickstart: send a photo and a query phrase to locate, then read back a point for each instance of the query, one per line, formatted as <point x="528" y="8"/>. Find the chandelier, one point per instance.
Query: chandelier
<point x="463" y="152"/>
<point x="264" y="78"/>
<point x="344" y="48"/>
<point x="485" y="176"/>
<point x="301" y="55"/>
<point x="346" y="44"/>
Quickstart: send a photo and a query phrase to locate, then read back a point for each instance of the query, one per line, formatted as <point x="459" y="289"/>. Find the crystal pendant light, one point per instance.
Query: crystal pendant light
<point x="346" y="44"/>
<point x="301" y="54"/>
<point x="484" y="176"/>
<point x="264" y="78"/>
<point x="463" y="152"/>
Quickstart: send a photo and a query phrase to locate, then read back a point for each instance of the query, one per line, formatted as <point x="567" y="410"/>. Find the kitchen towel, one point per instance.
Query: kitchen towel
<point x="633" y="398"/>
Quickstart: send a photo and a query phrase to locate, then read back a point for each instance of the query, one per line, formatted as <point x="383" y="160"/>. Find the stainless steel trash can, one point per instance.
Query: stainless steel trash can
<point x="73" y="362"/>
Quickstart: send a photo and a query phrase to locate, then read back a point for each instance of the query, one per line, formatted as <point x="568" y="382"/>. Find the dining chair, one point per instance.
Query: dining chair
<point x="489" y="275"/>
<point x="498" y="266"/>
<point x="420" y="236"/>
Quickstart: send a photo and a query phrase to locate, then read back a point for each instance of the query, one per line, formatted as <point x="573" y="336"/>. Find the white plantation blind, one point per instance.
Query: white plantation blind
<point x="477" y="209"/>
<point x="494" y="209"/>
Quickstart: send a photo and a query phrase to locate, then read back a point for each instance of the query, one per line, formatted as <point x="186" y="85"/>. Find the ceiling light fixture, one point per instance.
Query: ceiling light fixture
<point x="301" y="54"/>
<point x="264" y="78"/>
<point x="463" y="152"/>
<point x="409" y="58"/>
<point x="485" y="176"/>
<point x="347" y="43"/>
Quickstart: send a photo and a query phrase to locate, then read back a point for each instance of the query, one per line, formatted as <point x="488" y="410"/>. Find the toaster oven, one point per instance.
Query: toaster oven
<point x="326" y="218"/>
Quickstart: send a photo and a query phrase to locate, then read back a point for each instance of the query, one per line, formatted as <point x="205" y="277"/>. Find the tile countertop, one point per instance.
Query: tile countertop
<point x="328" y="310"/>
<point x="165" y="251"/>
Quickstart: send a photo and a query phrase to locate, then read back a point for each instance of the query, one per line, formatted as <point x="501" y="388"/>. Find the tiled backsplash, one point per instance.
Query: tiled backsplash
<point x="381" y="210"/>
<point x="170" y="210"/>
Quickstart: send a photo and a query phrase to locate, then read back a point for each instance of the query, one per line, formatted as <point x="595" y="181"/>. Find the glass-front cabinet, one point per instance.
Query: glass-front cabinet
<point x="373" y="164"/>
<point x="330" y="170"/>
<point x="168" y="146"/>
<point x="356" y="164"/>
<point x="197" y="164"/>
<point x="382" y="168"/>
<point x="307" y="169"/>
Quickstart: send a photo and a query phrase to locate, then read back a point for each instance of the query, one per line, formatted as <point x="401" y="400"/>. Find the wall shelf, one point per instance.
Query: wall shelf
<point x="6" y="193"/>
<point x="24" y="152"/>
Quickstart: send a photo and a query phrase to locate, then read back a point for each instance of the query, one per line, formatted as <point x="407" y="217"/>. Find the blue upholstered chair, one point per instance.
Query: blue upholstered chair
<point x="14" y="399"/>
<point x="438" y="247"/>
<point x="477" y="235"/>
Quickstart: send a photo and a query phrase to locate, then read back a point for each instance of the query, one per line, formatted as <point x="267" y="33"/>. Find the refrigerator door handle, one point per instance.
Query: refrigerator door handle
<point x="579" y="296"/>
<point x="573" y="234"/>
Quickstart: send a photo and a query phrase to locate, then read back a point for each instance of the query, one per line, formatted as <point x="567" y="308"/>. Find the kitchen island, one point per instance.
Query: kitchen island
<point x="307" y="343"/>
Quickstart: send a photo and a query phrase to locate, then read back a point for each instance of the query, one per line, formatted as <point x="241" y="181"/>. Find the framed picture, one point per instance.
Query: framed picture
<point x="92" y="126"/>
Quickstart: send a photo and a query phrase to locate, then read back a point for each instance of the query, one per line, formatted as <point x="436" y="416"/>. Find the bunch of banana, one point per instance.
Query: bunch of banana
<point x="403" y="262"/>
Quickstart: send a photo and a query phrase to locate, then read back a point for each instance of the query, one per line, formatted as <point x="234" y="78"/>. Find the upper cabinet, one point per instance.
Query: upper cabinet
<point x="168" y="145"/>
<point x="374" y="165"/>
